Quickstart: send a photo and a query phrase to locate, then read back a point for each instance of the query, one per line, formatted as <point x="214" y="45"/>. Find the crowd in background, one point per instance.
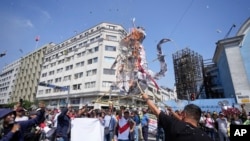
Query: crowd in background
<point x="119" y="125"/>
<point x="216" y="125"/>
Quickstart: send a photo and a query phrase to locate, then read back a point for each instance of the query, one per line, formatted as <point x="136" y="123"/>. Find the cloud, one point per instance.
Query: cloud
<point x="46" y="14"/>
<point x="28" y="23"/>
<point x="20" y="22"/>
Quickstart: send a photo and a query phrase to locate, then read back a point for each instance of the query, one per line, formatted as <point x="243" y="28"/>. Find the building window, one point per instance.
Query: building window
<point x="80" y="64"/>
<point x="69" y="67"/>
<point x="90" y="84"/>
<point x="109" y="71"/>
<point x="93" y="60"/>
<point x="110" y="48"/>
<point x="58" y="79"/>
<point x="40" y="92"/>
<point x="61" y="61"/>
<point x="59" y="70"/>
<point x="77" y="87"/>
<point x="75" y="101"/>
<point x="106" y="84"/>
<point x="78" y="75"/>
<point x="91" y="72"/>
<point x="47" y="91"/>
<point x="109" y="59"/>
<point x="50" y="81"/>
<point x="51" y="72"/>
<point x="96" y="49"/>
<point x="44" y="74"/>
<point x="66" y="78"/>
<point x="111" y="26"/>
<point x="53" y="64"/>
<point x="111" y="38"/>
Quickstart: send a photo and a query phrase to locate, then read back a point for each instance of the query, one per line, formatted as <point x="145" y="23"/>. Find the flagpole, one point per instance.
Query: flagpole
<point x="36" y="44"/>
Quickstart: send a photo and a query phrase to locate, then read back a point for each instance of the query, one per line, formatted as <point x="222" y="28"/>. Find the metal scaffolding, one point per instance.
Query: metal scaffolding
<point x="188" y="73"/>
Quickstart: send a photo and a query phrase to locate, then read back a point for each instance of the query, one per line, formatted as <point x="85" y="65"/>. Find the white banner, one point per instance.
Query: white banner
<point x="87" y="129"/>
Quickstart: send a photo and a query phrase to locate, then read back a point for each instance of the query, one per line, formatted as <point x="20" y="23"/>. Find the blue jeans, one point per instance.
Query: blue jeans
<point x="211" y="133"/>
<point x="62" y="139"/>
<point x="145" y="133"/>
<point x="160" y="135"/>
<point x="136" y="129"/>
<point x="109" y="136"/>
<point x="223" y="135"/>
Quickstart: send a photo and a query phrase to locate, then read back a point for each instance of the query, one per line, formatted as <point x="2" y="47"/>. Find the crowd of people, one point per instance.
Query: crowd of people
<point x="121" y="124"/>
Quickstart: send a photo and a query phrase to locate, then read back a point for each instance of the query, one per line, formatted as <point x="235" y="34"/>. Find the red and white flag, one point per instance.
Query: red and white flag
<point x="37" y="38"/>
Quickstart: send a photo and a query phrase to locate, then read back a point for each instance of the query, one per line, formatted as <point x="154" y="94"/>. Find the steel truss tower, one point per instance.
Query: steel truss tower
<point x="188" y="73"/>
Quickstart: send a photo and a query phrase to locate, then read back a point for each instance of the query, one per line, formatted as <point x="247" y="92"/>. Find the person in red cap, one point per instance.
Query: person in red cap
<point x="20" y="114"/>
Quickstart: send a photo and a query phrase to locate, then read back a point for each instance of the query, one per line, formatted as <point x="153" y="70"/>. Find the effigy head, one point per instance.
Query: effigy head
<point x="137" y="35"/>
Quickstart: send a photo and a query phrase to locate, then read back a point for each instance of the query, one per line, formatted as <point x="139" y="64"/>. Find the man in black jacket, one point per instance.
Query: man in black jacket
<point x="63" y="125"/>
<point x="14" y="131"/>
<point x="183" y="129"/>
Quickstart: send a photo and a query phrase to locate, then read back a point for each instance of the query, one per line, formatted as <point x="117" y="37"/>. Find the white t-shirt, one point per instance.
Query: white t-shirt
<point x="222" y="124"/>
<point x="55" y="119"/>
<point x="23" y="118"/>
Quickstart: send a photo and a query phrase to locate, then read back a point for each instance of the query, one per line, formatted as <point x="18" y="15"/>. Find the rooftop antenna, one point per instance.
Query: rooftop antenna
<point x="229" y="31"/>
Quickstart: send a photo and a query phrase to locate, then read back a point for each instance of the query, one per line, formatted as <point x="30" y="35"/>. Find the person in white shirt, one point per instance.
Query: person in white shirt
<point x="20" y="114"/>
<point x="222" y="127"/>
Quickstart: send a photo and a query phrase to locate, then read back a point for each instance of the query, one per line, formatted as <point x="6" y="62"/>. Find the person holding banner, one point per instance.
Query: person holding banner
<point x="175" y="129"/>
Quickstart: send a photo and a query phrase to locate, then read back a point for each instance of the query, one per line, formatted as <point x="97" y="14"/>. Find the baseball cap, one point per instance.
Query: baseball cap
<point x="4" y="112"/>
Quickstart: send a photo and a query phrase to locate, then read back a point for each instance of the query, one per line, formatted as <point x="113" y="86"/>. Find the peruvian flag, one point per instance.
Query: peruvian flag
<point x="37" y="38"/>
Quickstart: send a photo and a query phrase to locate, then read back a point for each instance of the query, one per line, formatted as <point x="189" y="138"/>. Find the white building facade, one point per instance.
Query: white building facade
<point x="81" y="63"/>
<point x="7" y="81"/>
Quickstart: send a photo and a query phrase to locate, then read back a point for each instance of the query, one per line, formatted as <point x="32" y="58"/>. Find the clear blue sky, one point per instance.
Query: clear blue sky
<point x="197" y="24"/>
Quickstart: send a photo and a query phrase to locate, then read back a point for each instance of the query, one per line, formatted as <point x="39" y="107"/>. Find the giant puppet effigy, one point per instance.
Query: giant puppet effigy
<point x="132" y="72"/>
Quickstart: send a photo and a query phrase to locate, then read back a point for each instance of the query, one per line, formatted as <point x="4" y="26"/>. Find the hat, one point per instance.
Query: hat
<point x="19" y="109"/>
<point x="221" y="113"/>
<point x="4" y="112"/>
